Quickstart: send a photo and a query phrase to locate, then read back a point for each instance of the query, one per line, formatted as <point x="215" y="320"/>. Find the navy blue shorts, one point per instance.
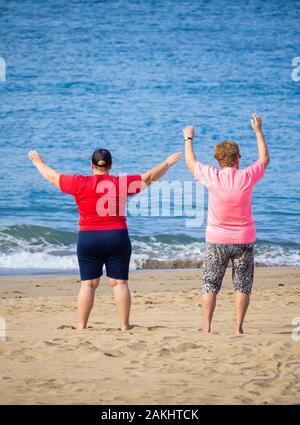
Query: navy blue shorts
<point x="109" y="247"/>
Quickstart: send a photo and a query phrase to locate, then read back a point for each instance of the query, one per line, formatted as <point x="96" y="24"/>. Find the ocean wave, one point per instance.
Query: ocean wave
<point x="38" y="248"/>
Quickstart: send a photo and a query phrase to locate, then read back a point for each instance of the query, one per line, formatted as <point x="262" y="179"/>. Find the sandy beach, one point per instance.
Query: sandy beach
<point x="164" y="359"/>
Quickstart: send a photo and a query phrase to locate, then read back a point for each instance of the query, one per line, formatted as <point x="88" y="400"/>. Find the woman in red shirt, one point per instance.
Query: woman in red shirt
<point x="103" y="236"/>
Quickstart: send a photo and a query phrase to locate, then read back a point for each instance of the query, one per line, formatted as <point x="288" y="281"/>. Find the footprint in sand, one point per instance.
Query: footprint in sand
<point x="154" y="328"/>
<point x="168" y="338"/>
<point x="66" y="327"/>
<point x="185" y="346"/>
<point x="50" y="343"/>
<point x="138" y="346"/>
<point x="84" y="344"/>
<point x="263" y="382"/>
<point x="94" y="348"/>
<point x="111" y="329"/>
<point x="164" y="352"/>
<point x="113" y="354"/>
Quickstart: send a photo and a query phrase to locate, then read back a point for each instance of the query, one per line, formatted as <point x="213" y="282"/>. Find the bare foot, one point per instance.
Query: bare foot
<point x="81" y="327"/>
<point x="127" y="327"/>
<point x="239" y="331"/>
<point x="205" y="331"/>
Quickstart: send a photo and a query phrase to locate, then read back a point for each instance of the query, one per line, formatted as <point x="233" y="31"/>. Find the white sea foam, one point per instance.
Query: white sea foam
<point x="38" y="260"/>
<point x="62" y="258"/>
<point x="37" y="248"/>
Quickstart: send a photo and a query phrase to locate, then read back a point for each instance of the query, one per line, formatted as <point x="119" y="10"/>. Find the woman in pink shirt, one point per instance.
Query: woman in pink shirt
<point x="230" y="232"/>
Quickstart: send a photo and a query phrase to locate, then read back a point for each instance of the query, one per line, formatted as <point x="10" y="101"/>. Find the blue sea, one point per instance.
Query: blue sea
<point x="128" y="75"/>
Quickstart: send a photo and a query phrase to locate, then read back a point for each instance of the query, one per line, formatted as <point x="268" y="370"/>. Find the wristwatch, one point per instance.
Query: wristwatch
<point x="188" y="138"/>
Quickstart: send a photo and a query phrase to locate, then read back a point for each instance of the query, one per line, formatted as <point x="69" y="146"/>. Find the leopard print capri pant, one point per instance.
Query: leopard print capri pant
<point x="216" y="261"/>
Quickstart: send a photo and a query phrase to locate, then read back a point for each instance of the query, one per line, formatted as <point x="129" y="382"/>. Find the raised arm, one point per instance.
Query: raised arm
<point x="47" y="172"/>
<point x="262" y="146"/>
<point x="157" y="172"/>
<point x="190" y="158"/>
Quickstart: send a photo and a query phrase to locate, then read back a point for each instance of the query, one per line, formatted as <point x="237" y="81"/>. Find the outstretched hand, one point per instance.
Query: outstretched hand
<point x="172" y="159"/>
<point x="35" y="157"/>
<point x="256" y="122"/>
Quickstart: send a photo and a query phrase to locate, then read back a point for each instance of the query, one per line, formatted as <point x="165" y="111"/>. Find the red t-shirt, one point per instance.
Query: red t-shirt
<point x="101" y="199"/>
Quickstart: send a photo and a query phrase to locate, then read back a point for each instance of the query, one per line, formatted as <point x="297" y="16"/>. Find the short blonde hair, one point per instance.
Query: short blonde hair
<point x="227" y="153"/>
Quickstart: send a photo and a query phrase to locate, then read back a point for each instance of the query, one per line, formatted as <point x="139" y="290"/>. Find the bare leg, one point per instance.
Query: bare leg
<point x="123" y="300"/>
<point x="241" y="306"/>
<point x="85" y="301"/>
<point x="208" y="304"/>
